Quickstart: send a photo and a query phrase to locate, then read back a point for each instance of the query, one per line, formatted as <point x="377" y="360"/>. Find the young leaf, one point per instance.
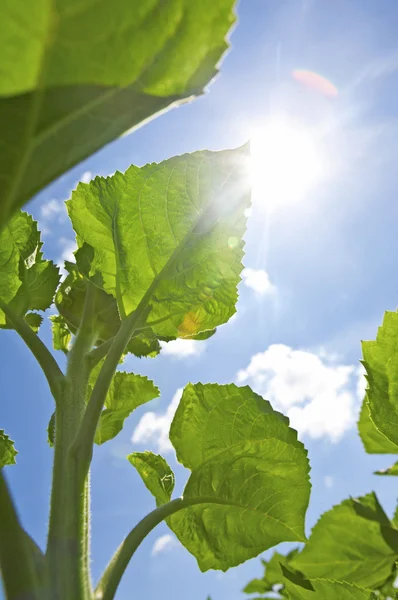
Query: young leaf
<point x="155" y="473"/>
<point x="7" y="450"/>
<point x="243" y="471"/>
<point x="381" y="364"/>
<point x="27" y="281"/>
<point x="393" y="470"/>
<point x="373" y="440"/>
<point x="51" y="431"/>
<point x="127" y="391"/>
<point x="354" y="542"/>
<point x="66" y="91"/>
<point x="61" y="334"/>
<point x="34" y="320"/>
<point x="273" y="574"/>
<point x="300" y="588"/>
<point x="161" y="238"/>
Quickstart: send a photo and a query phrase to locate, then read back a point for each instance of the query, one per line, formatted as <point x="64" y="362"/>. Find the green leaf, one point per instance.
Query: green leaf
<point x="390" y="471"/>
<point x="7" y="450"/>
<point x="373" y="440"/>
<point x="354" y="542"/>
<point x="243" y="472"/>
<point x="70" y="298"/>
<point x="34" y="320"/>
<point x="300" y="588"/>
<point x="126" y="392"/>
<point x="273" y="574"/>
<point x="219" y="417"/>
<point x="86" y="74"/>
<point x="27" y="281"/>
<point x="155" y="473"/>
<point x="61" y="334"/>
<point x="161" y="238"/>
<point x="381" y="364"/>
<point x="51" y="431"/>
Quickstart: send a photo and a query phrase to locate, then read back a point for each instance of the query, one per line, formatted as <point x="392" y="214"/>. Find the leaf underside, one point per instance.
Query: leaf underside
<point x="355" y="541"/>
<point x="7" y="450"/>
<point x="66" y="90"/>
<point x="160" y="236"/>
<point x="242" y="476"/>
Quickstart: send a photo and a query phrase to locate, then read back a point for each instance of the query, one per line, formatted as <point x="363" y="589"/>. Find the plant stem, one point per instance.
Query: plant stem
<point x="49" y="365"/>
<point x="99" y="353"/>
<point x="84" y="441"/>
<point x="67" y="545"/>
<point x="17" y="562"/>
<point x="110" y="580"/>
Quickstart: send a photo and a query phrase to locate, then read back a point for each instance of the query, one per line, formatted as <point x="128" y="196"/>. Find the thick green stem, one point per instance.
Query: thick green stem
<point x="67" y="545"/>
<point x="110" y="580"/>
<point x="49" y="365"/>
<point x="17" y="560"/>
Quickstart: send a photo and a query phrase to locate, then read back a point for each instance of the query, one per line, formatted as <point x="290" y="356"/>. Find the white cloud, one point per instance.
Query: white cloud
<point x="52" y="209"/>
<point x="153" y="428"/>
<point x="316" y="394"/>
<point x="163" y="543"/>
<point x="68" y="248"/>
<point x="182" y="348"/>
<point x="86" y="177"/>
<point x="328" y="480"/>
<point x="257" y="280"/>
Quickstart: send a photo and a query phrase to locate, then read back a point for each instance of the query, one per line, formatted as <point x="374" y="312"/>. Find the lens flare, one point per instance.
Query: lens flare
<point x="315" y="82"/>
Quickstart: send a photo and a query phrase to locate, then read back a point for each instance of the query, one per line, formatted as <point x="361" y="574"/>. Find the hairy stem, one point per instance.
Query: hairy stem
<point x="110" y="580"/>
<point x="67" y="545"/>
<point x="49" y="365"/>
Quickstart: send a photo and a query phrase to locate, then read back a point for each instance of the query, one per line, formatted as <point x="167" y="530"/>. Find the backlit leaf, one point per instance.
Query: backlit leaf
<point x="393" y="470"/>
<point x="27" y="281"/>
<point x="155" y="473"/>
<point x="243" y="473"/>
<point x="126" y="392"/>
<point x="70" y="300"/>
<point x="7" y="450"/>
<point x="273" y="575"/>
<point x="61" y="334"/>
<point x="381" y="364"/>
<point x="300" y="588"/>
<point x="373" y="440"/>
<point x="161" y="236"/>
<point x="354" y="542"/>
<point x="76" y="76"/>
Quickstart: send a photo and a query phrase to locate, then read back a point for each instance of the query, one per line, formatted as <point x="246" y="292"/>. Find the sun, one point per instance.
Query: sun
<point x="285" y="162"/>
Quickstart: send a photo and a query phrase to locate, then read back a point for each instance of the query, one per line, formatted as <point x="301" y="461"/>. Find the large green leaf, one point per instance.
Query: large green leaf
<point x="354" y="542"/>
<point x="7" y="450"/>
<point x="239" y="495"/>
<point x="381" y="364"/>
<point x="126" y="392"/>
<point x="300" y="588"/>
<point x="168" y="237"/>
<point x="27" y="281"/>
<point x="85" y="74"/>
<point x="155" y="473"/>
<point x="219" y="417"/>
<point x="373" y="440"/>
<point x="245" y="473"/>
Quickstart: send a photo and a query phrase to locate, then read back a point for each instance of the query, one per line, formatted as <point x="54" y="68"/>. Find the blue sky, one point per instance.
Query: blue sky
<point x="324" y="268"/>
